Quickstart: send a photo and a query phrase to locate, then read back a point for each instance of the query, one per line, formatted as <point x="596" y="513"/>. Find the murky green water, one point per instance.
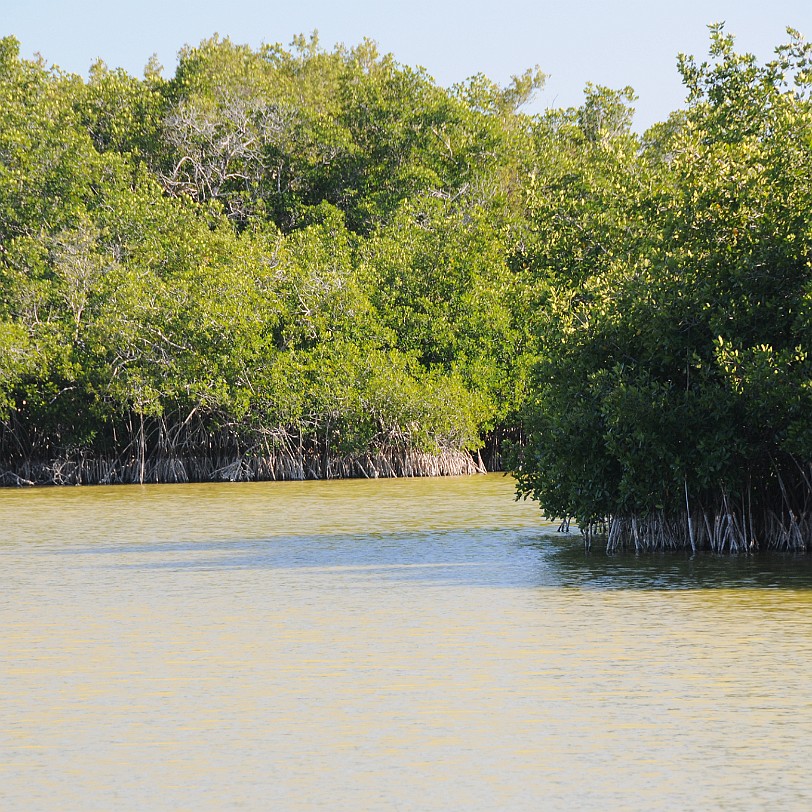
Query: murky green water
<point x="403" y="645"/>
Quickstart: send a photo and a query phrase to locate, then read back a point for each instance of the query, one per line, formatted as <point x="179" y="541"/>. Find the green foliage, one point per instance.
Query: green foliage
<point x="441" y="285"/>
<point x="271" y="243"/>
<point x="325" y="249"/>
<point x="674" y="341"/>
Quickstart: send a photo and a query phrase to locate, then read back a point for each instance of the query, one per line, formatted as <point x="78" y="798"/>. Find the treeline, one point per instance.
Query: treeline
<point x="287" y="263"/>
<point x="672" y="399"/>
<point x="277" y="263"/>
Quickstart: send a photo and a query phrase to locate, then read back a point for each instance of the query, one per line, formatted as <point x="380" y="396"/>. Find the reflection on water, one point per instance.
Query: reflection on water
<point x="408" y="645"/>
<point x="656" y="571"/>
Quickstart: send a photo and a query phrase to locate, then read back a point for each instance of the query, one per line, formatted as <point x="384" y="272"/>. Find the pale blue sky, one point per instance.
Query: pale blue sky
<point x="611" y="43"/>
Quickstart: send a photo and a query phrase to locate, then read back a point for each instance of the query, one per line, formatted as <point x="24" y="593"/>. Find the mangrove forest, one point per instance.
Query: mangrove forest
<point x="294" y="262"/>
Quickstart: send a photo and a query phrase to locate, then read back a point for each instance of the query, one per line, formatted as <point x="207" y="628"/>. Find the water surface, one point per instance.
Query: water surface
<point x="396" y="644"/>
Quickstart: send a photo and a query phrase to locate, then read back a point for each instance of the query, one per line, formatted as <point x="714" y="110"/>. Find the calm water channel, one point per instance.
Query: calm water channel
<point x="392" y="645"/>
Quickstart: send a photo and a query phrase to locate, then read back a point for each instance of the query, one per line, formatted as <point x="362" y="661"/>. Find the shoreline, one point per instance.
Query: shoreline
<point x="285" y="465"/>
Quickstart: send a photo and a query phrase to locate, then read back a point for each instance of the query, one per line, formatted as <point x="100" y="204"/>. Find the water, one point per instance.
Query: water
<point x="403" y="645"/>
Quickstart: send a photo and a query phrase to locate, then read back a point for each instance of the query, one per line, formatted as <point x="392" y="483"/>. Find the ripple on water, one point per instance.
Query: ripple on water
<point x="409" y="644"/>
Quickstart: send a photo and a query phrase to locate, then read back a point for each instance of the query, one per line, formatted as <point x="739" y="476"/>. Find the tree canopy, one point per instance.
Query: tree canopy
<point x="273" y="251"/>
<point x="673" y="380"/>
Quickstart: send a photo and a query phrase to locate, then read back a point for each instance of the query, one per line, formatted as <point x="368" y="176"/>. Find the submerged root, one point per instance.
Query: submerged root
<point x="726" y="530"/>
<point x="268" y="464"/>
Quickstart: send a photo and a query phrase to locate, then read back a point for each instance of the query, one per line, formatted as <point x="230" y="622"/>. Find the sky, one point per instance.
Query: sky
<point x="611" y="43"/>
